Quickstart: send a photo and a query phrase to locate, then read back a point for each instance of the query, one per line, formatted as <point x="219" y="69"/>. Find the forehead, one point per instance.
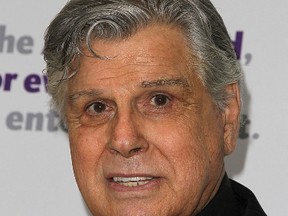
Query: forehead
<point x="156" y="50"/>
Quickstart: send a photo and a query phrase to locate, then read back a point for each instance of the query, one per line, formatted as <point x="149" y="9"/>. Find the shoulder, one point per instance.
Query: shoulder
<point x="233" y="199"/>
<point x="247" y="200"/>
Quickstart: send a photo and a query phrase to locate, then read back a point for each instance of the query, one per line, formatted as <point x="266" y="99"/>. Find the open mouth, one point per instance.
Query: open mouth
<point x="132" y="181"/>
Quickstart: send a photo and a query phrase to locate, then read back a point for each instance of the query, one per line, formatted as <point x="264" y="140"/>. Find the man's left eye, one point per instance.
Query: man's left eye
<point x="160" y="100"/>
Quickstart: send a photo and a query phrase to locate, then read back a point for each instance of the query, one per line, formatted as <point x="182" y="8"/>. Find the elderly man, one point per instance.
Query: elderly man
<point x="149" y="91"/>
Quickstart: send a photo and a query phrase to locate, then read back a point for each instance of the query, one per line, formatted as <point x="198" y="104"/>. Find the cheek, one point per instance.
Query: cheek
<point x="181" y="149"/>
<point x="182" y="145"/>
<point x="86" y="148"/>
<point x="194" y="136"/>
<point x="213" y="131"/>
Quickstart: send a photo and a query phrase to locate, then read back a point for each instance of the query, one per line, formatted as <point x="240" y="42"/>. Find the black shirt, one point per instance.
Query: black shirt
<point x="233" y="199"/>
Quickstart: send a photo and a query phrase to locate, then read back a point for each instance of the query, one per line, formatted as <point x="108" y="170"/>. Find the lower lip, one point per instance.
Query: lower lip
<point x="152" y="184"/>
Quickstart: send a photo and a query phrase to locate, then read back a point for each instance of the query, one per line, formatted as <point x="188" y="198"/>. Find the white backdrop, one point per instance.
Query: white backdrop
<point x="35" y="170"/>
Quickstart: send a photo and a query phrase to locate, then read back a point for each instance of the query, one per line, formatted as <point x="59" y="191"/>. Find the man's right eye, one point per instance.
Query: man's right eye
<point x="97" y="108"/>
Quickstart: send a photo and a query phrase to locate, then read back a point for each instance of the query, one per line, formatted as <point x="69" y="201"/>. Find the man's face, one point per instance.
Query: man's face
<point x="146" y="138"/>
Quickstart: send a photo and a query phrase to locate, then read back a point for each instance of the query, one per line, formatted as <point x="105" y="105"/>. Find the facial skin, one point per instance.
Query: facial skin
<point x="144" y="116"/>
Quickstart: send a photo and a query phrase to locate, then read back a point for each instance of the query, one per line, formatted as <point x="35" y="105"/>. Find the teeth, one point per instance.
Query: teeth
<point x="133" y="184"/>
<point x="132" y="181"/>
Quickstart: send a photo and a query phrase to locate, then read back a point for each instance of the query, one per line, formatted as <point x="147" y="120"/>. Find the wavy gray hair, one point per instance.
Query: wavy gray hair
<point x="82" y="21"/>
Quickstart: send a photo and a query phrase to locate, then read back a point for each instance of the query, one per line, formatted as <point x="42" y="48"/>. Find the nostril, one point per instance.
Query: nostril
<point x="135" y="150"/>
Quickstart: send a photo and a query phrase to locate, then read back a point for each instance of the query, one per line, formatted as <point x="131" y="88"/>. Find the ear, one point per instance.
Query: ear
<point x="231" y="117"/>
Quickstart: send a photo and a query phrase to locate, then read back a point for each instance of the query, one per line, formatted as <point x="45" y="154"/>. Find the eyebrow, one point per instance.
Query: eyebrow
<point x="86" y="93"/>
<point x="164" y="82"/>
<point x="144" y="84"/>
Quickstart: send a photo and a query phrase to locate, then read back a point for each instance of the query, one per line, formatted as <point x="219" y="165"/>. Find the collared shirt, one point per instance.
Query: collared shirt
<point x="233" y="199"/>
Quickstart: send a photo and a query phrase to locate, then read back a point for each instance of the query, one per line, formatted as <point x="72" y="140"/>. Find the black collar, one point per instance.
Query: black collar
<point x="233" y="199"/>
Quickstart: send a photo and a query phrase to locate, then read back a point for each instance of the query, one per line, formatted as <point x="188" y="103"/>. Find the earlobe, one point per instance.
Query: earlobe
<point x="231" y="118"/>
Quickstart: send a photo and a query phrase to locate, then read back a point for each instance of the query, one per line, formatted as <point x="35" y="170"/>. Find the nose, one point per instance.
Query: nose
<point x="126" y="137"/>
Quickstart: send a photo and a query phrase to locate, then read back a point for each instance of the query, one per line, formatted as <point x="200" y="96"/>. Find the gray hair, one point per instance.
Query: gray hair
<point x="82" y="21"/>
